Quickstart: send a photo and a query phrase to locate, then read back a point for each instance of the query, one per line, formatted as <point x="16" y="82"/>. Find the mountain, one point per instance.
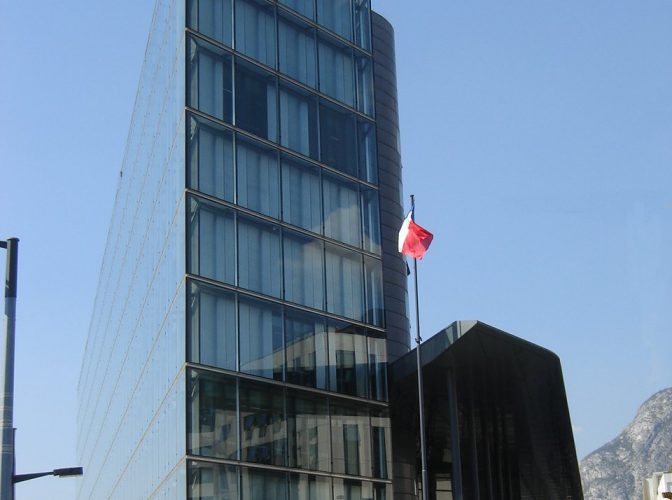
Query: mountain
<point x="616" y="470"/>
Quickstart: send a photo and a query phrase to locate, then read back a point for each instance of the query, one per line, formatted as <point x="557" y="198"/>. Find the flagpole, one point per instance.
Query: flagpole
<point x="421" y="398"/>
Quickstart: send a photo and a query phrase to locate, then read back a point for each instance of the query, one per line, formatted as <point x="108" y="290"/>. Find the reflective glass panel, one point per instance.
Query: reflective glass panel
<point x="349" y="489"/>
<point x="373" y="285"/>
<point x="382" y="491"/>
<point x="259" y="262"/>
<point x="211" y="241"/>
<point x="342" y="220"/>
<point x="255" y="31"/>
<point x="345" y="290"/>
<point x="307" y="487"/>
<point x="301" y="195"/>
<point x="363" y="23"/>
<point x="308" y="432"/>
<point x="262" y="426"/>
<point x="338" y="139"/>
<point x="264" y="484"/>
<point x="209" y="76"/>
<point x="306" y="349"/>
<point x="351" y="439"/>
<point x="213" y="430"/>
<point x="298" y="121"/>
<point x="370" y="219"/>
<point x="210" y="159"/>
<point x="347" y="359"/>
<point x="366" y="143"/>
<point x="305" y="7"/>
<point x="377" y="369"/>
<point x="382" y="443"/>
<point x="258" y="177"/>
<point x="260" y="340"/>
<point x="364" y="67"/>
<point x="256" y="101"/>
<point x="336" y="71"/>
<point x="209" y="481"/>
<point x="212" y="326"/>
<point x="335" y="15"/>
<point x="297" y="50"/>
<point x="304" y="270"/>
<point x="212" y="18"/>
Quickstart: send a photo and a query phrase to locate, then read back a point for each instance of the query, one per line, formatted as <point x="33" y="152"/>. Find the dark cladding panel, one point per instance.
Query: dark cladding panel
<point x="389" y="166"/>
<point x="497" y="420"/>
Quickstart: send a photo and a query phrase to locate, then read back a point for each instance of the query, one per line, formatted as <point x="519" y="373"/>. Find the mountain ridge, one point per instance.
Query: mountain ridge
<point x="616" y="470"/>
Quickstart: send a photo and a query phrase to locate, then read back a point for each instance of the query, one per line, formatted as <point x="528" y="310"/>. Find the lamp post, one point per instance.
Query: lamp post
<point x="69" y="471"/>
<point x="7" y="477"/>
<point x="7" y="374"/>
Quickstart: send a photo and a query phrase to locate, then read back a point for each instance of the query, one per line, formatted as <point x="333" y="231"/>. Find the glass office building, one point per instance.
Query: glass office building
<point x="252" y="306"/>
<point x="250" y="295"/>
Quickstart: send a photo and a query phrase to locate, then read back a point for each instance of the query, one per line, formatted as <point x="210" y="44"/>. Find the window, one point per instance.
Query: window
<point x="210" y="160"/>
<point x="263" y="432"/>
<point x="353" y="490"/>
<point x="309" y="487"/>
<point x="366" y="140"/>
<point x="380" y="430"/>
<point x="256" y="101"/>
<point x="373" y="284"/>
<point x="336" y="70"/>
<point x="363" y="24"/>
<point x="347" y="360"/>
<point x="364" y="68"/>
<point x="370" y="220"/>
<point x="335" y="15"/>
<point x="209" y="76"/>
<point x="301" y="195"/>
<point x="342" y="220"/>
<point x="259" y="262"/>
<point x="306" y="349"/>
<point x="213" y="431"/>
<point x="351" y="448"/>
<point x="382" y="491"/>
<point x="351" y="439"/>
<point x="212" y="18"/>
<point x="304" y="270"/>
<point x="297" y="50"/>
<point x="377" y="369"/>
<point x="308" y="432"/>
<point x="258" y="177"/>
<point x="212" y="326"/>
<point x="305" y="7"/>
<point x="298" y="121"/>
<point x="211" y="241"/>
<point x="337" y="139"/>
<point x="264" y="484"/>
<point x="261" y="343"/>
<point x="255" y="31"/>
<point x="208" y="481"/>
<point x="344" y="282"/>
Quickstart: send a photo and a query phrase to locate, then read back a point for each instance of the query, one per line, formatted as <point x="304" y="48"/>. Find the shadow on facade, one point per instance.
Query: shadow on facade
<point x="498" y="425"/>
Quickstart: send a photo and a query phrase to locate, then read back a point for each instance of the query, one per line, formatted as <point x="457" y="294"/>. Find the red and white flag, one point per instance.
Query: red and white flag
<point x="414" y="240"/>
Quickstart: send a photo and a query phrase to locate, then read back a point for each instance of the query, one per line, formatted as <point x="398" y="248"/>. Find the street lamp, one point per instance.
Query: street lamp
<point x="69" y="471"/>
<point x="7" y="373"/>
<point x="7" y="477"/>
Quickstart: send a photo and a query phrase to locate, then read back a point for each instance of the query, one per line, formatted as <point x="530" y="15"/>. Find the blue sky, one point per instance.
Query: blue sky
<point x="536" y="136"/>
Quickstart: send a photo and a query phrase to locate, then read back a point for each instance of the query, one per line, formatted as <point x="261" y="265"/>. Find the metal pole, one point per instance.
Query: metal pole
<point x="7" y="385"/>
<point x="421" y="396"/>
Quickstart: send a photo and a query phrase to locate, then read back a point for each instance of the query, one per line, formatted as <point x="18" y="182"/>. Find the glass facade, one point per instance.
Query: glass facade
<point x="246" y="331"/>
<point x="237" y="425"/>
<point x="132" y="383"/>
<point x="285" y="301"/>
